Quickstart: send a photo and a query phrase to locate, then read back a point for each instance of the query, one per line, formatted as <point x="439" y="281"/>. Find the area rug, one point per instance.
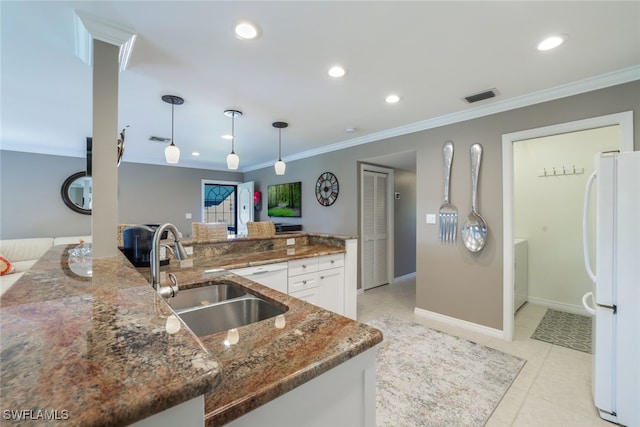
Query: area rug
<point x="430" y="378"/>
<point x="565" y="329"/>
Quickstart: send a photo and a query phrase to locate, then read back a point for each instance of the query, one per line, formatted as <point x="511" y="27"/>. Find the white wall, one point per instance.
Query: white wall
<point x="548" y="211"/>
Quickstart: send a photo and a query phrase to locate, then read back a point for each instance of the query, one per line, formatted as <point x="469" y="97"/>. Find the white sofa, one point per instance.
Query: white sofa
<point x="23" y="253"/>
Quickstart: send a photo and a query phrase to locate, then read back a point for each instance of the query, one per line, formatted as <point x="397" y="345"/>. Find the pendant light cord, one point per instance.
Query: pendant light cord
<point x="233" y="133"/>
<point x="172" y="108"/>
<point x="279" y="145"/>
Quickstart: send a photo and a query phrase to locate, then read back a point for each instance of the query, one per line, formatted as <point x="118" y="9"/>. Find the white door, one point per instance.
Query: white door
<point x="245" y="206"/>
<point x="375" y="233"/>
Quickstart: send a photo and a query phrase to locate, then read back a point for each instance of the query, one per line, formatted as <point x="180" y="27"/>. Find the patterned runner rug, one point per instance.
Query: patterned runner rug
<point x="565" y="329"/>
<point x="430" y="378"/>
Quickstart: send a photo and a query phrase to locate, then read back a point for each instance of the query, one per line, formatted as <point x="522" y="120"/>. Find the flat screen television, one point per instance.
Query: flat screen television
<point x="284" y="200"/>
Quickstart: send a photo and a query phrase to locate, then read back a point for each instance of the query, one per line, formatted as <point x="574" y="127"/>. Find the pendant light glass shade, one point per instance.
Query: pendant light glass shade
<point x="280" y="166"/>
<point x="232" y="159"/>
<point x="172" y="152"/>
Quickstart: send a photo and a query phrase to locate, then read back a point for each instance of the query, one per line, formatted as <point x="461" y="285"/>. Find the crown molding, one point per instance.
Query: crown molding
<point x="88" y="27"/>
<point x="574" y="88"/>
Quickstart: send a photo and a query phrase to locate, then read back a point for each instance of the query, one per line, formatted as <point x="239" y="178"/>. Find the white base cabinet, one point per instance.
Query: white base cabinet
<point x="331" y="283"/>
<point x="319" y="280"/>
<point x="271" y="275"/>
<point x="342" y="396"/>
<point x="189" y="413"/>
<point x="328" y="281"/>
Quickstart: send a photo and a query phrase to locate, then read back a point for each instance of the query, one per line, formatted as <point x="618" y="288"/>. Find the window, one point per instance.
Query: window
<point x="219" y="203"/>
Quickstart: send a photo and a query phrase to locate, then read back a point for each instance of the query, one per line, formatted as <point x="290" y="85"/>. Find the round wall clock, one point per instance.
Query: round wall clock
<point x="327" y="189"/>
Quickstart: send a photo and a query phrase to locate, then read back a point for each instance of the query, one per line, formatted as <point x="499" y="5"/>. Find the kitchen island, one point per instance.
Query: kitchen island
<point x="97" y="349"/>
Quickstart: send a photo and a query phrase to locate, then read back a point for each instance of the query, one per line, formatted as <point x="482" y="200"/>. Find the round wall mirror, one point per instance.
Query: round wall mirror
<point x="76" y="192"/>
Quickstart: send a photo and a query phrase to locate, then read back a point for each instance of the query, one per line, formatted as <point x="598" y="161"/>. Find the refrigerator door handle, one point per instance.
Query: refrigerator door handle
<point x="585" y="297"/>
<point x="585" y="228"/>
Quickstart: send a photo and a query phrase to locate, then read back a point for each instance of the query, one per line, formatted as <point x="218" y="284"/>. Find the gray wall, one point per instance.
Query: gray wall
<point x="31" y="205"/>
<point x="404" y="223"/>
<point x="450" y="280"/>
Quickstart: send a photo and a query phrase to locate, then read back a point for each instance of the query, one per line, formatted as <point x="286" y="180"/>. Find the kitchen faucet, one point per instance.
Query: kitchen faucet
<point x="180" y="253"/>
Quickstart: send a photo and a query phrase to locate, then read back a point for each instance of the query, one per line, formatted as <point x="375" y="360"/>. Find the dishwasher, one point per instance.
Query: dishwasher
<point x="272" y="275"/>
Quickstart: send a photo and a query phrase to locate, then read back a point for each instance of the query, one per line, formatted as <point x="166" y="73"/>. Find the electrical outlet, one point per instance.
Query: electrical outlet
<point x="291" y="241"/>
<point x="291" y="251"/>
<point x="187" y="215"/>
<point x="188" y="250"/>
<point x="431" y="219"/>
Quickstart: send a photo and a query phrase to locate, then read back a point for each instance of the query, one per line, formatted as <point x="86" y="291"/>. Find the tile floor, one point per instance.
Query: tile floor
<point x="553" y="388"/>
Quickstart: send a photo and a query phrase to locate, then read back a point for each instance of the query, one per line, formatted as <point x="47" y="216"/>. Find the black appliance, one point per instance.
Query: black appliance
<point x="137" y="244"/>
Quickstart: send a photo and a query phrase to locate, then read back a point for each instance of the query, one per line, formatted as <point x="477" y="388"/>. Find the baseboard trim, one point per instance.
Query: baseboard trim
<point x="404" y="277"/>
<point x="360" y="291"/>
<point x="560" y="306"/>
<point x="496" y="333"/>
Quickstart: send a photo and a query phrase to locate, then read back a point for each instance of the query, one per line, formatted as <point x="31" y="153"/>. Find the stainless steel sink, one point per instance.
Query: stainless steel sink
<point x="229" y="314"/>
<point x="206" y="295"/>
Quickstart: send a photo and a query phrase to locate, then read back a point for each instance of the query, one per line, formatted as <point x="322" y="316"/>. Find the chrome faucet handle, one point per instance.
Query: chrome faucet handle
<point x="171" y="290"/>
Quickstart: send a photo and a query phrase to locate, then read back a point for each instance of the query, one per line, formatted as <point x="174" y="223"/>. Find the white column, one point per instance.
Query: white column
<point x="105" y="138"/>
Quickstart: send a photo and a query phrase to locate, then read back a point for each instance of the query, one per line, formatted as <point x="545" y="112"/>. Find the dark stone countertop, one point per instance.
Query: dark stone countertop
<point x="98" y="348"/>
<point x="95" y="349"/>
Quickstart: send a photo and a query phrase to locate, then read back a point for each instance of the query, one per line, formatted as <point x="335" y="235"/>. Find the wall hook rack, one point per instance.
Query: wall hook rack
<point x="560" y="171"/>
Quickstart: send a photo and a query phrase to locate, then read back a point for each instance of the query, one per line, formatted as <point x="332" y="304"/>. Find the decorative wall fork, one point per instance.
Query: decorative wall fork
<point x="448" y="214"/>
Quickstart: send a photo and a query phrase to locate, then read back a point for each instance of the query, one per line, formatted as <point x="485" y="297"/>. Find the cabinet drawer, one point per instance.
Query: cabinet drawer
<point x="302" y="266"/>
<point x="330" y="261"/>
<point x="303" y="281"/>
<point x="308" y="295"/>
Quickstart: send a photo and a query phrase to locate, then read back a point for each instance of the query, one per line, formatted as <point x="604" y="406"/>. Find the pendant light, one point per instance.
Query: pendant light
<point x="232" y="159"/>
<point x="280" y="166"/>
<point x="172" y="153"/>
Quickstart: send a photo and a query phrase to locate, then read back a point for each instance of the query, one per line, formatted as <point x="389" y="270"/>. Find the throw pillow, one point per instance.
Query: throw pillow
<point x="5" y="266"/>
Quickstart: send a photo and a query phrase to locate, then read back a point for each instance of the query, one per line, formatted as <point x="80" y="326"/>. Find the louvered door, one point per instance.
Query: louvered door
<point x="374" y="229"/>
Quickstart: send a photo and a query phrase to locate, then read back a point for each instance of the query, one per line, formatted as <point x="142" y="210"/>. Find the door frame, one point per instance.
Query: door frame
<point x="390" y="220"/>
<point x="624" y="120"/>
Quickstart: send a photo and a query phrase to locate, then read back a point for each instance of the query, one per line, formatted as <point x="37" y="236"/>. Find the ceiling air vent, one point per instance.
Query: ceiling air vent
<point x="490" y="93"/>
<point x="159" y="139"/>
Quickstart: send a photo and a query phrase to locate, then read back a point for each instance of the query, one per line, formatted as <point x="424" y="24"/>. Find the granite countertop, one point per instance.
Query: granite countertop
<point x="98" y="347"/>
<point x="96" y="350"/>
<point x="271" y="359"/>
<point x="230" y="261"/>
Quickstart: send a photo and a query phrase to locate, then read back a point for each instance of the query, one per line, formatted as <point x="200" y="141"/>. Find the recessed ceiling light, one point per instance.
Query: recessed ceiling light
<point x="195" y="154"/>
<point x="245" y="30"/>
<point x="392" y="99"/>
<point x="227" y="137"/>
<point x="552" y="42"/>
<point x="350" y="130"/>
<point x="336" y="71"/>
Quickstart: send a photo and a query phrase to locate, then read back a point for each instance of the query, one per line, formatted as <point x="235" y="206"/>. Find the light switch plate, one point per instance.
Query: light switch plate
<point x="187" y="215"/>
<point x="291" y="251"/>
<point x="431" y="219"/>
<point x="291" y="241"/>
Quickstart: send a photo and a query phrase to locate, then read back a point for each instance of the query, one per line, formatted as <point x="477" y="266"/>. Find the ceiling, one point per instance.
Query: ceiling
<point x="432" y="54"/>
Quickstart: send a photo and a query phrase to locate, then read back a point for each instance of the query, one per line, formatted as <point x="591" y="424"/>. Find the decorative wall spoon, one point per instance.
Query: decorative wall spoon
<point x="474" y="229"/>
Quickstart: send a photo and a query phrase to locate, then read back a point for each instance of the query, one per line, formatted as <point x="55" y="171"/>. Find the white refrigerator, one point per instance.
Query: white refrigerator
<point x="615" y="299"/>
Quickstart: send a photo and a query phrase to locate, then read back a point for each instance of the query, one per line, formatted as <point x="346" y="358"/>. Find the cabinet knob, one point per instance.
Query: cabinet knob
<point x="304" y="282"/>
<point x="321" y="277"/>
<point x="332" y="261"/>
<point x="304" y="266"/>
